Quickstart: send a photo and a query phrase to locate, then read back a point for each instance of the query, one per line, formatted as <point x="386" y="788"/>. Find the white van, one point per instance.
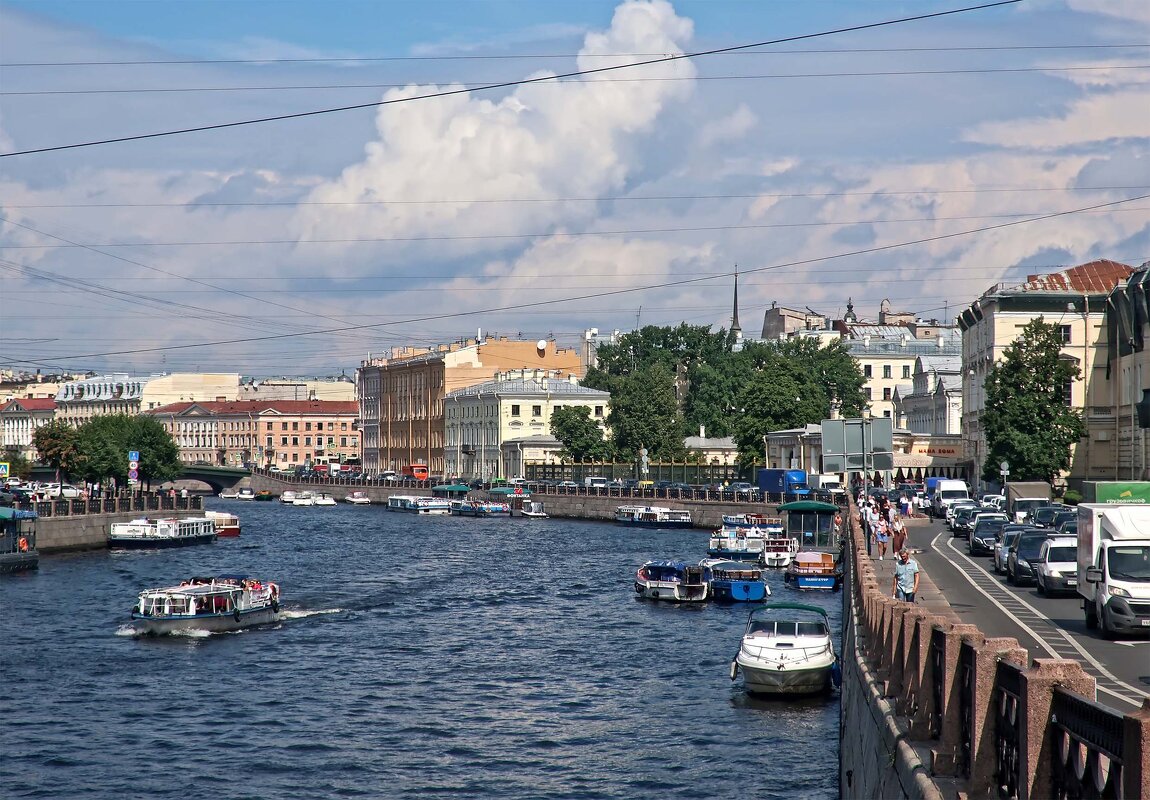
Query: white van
<point x="946" y="492"/>
<point x="595" y="482"/>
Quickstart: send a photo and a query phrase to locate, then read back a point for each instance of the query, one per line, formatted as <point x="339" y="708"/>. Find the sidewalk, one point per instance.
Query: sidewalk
<point x="929" y="596"/>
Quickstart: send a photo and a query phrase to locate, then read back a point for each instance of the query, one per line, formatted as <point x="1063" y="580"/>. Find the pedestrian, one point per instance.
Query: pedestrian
<point x="906" y="573"/>
<point x="882" y="536"/>
<point x="897" y="536"/>
<point x="184" y="493"/>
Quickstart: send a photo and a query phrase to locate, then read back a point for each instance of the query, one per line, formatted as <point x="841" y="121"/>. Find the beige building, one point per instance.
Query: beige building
<point x="279" y="433"/>
<point x="401" y="396"/>
<point x="932" y="402"/>
<point x="120" y="393"/>
<point x="19" y="420"/>
<point x="1075" y="300"/>
<point x="264" y="389"/>
<point x="484" y="423"/>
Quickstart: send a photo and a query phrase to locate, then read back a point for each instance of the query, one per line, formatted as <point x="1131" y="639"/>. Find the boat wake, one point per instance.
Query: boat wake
<point x="134" y="633"/>
<point x="301" y="613"/>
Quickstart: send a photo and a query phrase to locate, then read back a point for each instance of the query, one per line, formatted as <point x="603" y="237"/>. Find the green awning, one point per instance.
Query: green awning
<point x="505" y="491"/>
<point x="451" y="488"/>
<point x="809" y="505"/>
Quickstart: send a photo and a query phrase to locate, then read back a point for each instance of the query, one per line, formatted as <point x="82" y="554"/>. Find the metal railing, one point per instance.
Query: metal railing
<point x="1087" y="747"/>
<point x="1007" y="728"/>
<point x="121" y="503"/>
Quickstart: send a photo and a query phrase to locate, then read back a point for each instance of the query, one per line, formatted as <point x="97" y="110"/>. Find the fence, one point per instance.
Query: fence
<point x="1002" y="727"/>
<point x="124" y="502"/>
<point x="695" y="474"/>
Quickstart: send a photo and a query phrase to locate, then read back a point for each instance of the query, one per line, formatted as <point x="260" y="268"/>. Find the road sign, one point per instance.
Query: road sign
<point x="133" y="455"/>
<point x="1004" y="466"/>
<point x="133" y="475"/>
<point x="133" y="465"/>
<point x="4" y="466"/>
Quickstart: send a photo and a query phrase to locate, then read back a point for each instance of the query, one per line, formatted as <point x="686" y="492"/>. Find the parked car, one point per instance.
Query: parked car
<point x="567" y="485"/>
<point x="1002" y="547"/>
<point x="1024" y="550"/>
<point x="984" y="534"/>
<point x="60" y="491"/>
<point x="1056" y="568"/>
<point x="615" y="485"/>
<point x="744" y="490"/>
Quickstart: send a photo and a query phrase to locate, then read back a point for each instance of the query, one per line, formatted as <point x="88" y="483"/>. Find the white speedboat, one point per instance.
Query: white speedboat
<point x="215" y="604"/>
<point x="531" y="510"/>
<point x="675" y="581"/>
<point x="358" y="498"/>
<point x="786" y="649"/>
<point x="324" y="499"/>
<point x="288" y="496"/>
<point x="229" y="494"/>
<point x="303" y="499"/>
<point x="149" y="533"/>
<point x="246" y="493"/>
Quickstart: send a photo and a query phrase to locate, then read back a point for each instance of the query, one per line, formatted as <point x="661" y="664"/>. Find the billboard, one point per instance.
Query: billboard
<point x="1116" y="492"/>
<point x="858" y="444"/>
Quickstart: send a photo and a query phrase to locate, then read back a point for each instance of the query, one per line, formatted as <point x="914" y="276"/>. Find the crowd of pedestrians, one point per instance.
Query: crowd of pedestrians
<point x="882" y="524"/>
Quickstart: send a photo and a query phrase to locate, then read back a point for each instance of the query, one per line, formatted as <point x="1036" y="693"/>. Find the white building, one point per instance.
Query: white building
<point x="20" y="418"/>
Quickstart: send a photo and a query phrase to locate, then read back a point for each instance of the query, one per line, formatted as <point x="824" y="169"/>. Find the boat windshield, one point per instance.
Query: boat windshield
<point x="788" y="628"/>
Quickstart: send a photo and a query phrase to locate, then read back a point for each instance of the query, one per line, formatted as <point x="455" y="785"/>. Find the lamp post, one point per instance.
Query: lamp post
<point x="866" y="470"/>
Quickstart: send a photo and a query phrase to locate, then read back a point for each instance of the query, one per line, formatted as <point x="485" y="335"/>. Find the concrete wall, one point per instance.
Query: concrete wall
<point x="87" y="532"/>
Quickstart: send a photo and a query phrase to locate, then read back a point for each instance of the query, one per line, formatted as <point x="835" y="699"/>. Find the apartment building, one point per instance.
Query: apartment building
<point x="19" y="420"/>
<point x="119" y="393"/>
<point x="932" y="402"/>
<point x="401" y="396"/>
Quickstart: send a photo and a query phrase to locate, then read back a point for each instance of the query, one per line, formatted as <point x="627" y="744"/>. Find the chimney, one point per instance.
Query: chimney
<point x="702" y="431"/>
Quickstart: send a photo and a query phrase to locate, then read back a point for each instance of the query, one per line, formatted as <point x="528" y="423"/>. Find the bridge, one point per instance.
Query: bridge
<point x="219" y="478"/>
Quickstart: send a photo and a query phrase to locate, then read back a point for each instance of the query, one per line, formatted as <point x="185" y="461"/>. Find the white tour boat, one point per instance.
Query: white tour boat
<point x="226" y="524"/>
<point x="653" y="517"/>
<point x="146" y="532"/>
<point x="214" y="604"/>
<point x="358" y="498"/>
<point x="787" y="649"/>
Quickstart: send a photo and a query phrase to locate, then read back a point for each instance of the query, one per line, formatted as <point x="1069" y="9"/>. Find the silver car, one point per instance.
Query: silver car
<point x="1002" y="546"/>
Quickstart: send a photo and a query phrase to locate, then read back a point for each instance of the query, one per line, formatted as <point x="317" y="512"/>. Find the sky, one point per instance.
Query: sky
<point x="917" y="162"/>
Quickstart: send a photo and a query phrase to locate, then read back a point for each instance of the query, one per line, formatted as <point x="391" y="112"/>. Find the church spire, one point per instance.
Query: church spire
<point x="736" y="329"/>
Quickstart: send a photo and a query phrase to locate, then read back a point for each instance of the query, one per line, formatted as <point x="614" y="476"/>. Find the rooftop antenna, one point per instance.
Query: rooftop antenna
<point x="638" y="317"/>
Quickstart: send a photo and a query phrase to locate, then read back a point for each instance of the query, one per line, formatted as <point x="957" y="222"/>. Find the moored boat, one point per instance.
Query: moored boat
<point x="288" y="496"/>
<point x="229" y="494"/>
<point x="529" y="510"/>
<point x="358" y="498"/>
<point x="149" y="533"/>
<point x="653" y="517"/>
<point x="18" y="550"/>
<point x="736" y="581"/>
<point x="674" y="581"/>
<point x="786" y="649"/>
<point x="324" y="499"/>
<point x="813" y="569"/>
<point x="214" y="604"/>
<point x="478" y="508"/>
<point x="246" y="493"/>
<point x="226" y="524"/>
<point x="263" y="495"/>
<point x="303" y="499"/>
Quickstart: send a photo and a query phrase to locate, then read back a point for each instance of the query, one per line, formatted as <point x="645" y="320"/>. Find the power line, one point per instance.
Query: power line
<point x="508" y="84"/>
<point x="538" y="56"/>
<point x="615" y="292"/>
<point x="571" y="234"/>
<point x="478" y="86"/>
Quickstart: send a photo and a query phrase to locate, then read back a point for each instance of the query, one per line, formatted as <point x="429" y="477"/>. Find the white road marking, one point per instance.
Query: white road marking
<point x="1041" y="641"/>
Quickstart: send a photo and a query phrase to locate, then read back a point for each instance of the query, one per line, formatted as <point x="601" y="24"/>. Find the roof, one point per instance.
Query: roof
<point x="941" y="363"/>
<point x="808" y="505"/>
<point x="31" y="404"/>
<point x="223" y="408"/>
<point x="450" y="487"/>
<point x="1092" y="277"/>
<point x="555" y="387"/>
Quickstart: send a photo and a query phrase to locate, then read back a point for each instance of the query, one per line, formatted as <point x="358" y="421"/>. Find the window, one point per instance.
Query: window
<point x="269" y="443"/>
<point x="330" y="426"/>
<point x="283" y="440"/>
<point x="283" y="426"/>
<point x="886" y="370"/>
<point x="536" y="411"/>
<point x="886" y="393"/>
<point x="270" y="424"/>
<point x="1068" y="392"/>
<point x="1065" y="334"/>
<point x="886" y="413"/>
<point x="295" y="426"/>
<point x="515" y="411"/>
<point x="598" y="411"/>
<point x="295" y="441"/>
<point x="307" y="441"/>
<point x="343" y="441"/>
<point x="307" y="426"/>
<point x="343" y="426"/>
<point x="906" y="370"/>
<point x="866" y="371"/>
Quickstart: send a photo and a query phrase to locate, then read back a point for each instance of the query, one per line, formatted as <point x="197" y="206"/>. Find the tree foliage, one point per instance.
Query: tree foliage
<point x="645" y="414"/>
<point x="582" y="436"/>
<point x="18" y="465"/>
<point x="1028" y="419"/>
<point x="58" y="446"/>
<point x="104" y="442"/>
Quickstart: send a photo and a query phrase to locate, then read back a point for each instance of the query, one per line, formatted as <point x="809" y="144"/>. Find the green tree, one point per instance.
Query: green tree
<point x="104" y="443"/>
<point x="1028" y="419"/>
<point x="57" y="443"/>
<point x="582" y="436"/>
<point x="645" y="413"/>
<point x="18" y="466"/>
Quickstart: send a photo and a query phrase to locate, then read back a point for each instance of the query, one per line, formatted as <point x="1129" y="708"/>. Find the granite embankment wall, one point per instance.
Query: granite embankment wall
<point x="932" y="708"/>
<point x="68" y="525"/>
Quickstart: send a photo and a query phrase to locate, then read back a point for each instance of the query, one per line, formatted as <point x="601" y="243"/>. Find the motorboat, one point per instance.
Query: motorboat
<point x="245" y="493"/>
<point x="324" y="499"/>
<point x="413" y="504"/>
<point x="653" y="517"/>
<point x="229" y="494"/>
<point x="529" y="510"/>
<point x="149" y="533"/>
<point x="736" y="581"/>
<point x="18" y="550"/>
<point x="478" y="508"/>
<point x="213" y="604"/>
<point x="787" y="650"/>
<point x="398" y="502"/>
<point x="779" y="550"/>
<point x="303" y="499"/>
<point x="813" y="569"/>
<point x="358" y="498"/>
<point x="263" y="495"/>
<point x="288" y="496"/>
<point x="742" y="536"/>
<point x="674" y="581"/>
<point x="226" y="524"/>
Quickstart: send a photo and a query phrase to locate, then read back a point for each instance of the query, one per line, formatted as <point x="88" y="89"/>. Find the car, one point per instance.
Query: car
<point x="1024" y="550"/>
<point x="681" y="488"/>
<point x="984" y="534"/>
<point x="960" y="525"/>
<point x="748" y="490"/>
<point x="1062" y="517"/>
<point x="567" y="485"/>
<point x="1056" y="568"/>
<point x="954" y="507"/>
<point x="1042" y="515"/>
<point x="60" y="491"/>
<point x="616" y="484"/>
<point x="1006" y="538"/>
<point x="1068" y="528"/>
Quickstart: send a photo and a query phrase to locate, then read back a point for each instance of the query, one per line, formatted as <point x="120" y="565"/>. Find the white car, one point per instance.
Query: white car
<point x="953" y="508"/>
<point x="60" y="491"/>
<point x="1056" y="568"/>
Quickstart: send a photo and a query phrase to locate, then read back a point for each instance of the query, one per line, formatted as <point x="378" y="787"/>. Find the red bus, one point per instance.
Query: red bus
<point x="416" y="471"/>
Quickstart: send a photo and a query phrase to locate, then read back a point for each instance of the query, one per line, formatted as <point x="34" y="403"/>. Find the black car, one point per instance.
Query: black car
<point x="1025" y="548"/>
<point x="1043" y="515"/>
<point x="984" y="535"/>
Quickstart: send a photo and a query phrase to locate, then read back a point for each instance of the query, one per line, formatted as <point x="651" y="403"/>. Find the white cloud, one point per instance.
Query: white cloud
<point x="1122" y="114"/>
<point x="732" y="127"/>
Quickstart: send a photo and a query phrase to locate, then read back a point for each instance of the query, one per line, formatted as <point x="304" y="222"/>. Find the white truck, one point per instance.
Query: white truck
<point x="946" y="492"/>
<point x="827" y="483"/>
<point x="1114" y="566"/>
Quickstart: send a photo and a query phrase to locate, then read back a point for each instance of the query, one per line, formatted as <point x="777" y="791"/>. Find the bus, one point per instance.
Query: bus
<point x="415" y="472"/>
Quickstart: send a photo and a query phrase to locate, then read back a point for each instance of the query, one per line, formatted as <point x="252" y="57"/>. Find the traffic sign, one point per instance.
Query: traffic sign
<point x="133" y="475"/>
<point x="133" y="455"/>
<point x="4" y="467"/>
<point x="133" y="465"/>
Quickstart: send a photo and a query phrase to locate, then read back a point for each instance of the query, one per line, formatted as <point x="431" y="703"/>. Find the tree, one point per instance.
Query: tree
<point x="582" y="436"/>
<point x="57" y="443"/>
<point x="104" y="443"/>
<point x="18" y="466"/>
<point x="1028" y="419"/>
<point x="645" y="413"/>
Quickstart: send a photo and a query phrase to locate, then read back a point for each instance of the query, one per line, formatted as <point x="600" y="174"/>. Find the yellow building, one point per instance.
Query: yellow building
<point x="401" y="396"/>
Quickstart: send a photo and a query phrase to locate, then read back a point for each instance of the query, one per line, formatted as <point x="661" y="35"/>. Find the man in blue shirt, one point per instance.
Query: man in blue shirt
<point x="905" y="577"/>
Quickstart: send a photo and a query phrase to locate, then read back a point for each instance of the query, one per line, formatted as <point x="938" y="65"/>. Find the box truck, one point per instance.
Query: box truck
<point x="1114" y="566"/>
<point x="1116" y="492"/>
<point x="790" y="483"/>
<point x="827" y="483"/>
<point x="1022" y="496"/>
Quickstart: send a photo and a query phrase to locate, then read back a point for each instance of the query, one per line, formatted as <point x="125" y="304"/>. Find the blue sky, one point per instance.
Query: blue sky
<point x="423" y="221"/>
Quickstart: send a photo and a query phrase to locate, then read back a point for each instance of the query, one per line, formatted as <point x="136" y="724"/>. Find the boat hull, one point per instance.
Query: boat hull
<point x="734" y="591"/>
<point x="748" y="556"/>
<point x="777" y="560"/>
<point x="211" y="623"/>
<point x="672" y="592"/>
<point x="631" y="523"/>
<point x="18" y="562"/>
<point x="153" y="542"/>
<point x="762" y="679"/>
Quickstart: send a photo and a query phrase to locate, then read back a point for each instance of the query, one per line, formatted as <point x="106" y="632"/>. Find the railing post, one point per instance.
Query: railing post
<point x="913" y="658"/>
<point x="981" y="741"/>
<point x="945" y="642"/>
<point x="1035" y="697"/>
<point x="1136" y="743"/>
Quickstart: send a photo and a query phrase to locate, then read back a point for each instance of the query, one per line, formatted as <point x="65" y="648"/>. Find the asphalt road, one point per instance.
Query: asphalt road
<point x="1048" y="627"/>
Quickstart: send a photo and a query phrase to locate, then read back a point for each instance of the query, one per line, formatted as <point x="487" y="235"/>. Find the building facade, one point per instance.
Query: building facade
<point x="278" y="433"/>
<point x="483" y="422"/>
<point x="932" y="402"/>
<point x="1075" y="300"/>
<point x="401" y="396"/>
<point x="19" y="420"/>
<point x="120" y="393"/>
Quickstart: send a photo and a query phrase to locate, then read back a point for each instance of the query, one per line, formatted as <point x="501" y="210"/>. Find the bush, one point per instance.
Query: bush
<point x="1072" y="498"/>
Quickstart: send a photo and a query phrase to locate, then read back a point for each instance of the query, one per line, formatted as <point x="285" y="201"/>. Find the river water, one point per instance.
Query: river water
<point x="419" y="656"/>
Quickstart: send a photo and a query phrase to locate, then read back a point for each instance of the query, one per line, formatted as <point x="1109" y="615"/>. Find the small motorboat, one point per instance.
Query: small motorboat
<point x="358" y="498"/>
<point x="288" y="497"/>
<point x="787" y="650"/>
<point x="813" y="569"/>
<point x="245" y="493"/>
<point x="324" y="499"/>
<point x="214" y="604"/>
<point x="674" y="581"/>
<point x="736" y="581"/>
<point x="303" y="499"/>
<point x="229" y="494"/>
<point x="263" y="495"/>
<point x="226" y="524"/>
<point x="531" y="510"/>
